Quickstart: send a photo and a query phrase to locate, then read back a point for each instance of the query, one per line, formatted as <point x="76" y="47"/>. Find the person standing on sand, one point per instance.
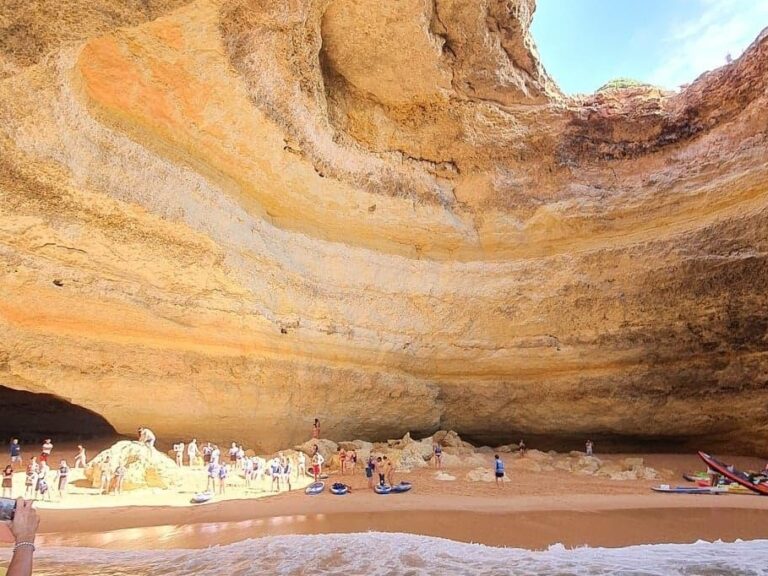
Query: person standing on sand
<point x="207" y="451"/>
<point x="240" y="456"/>
<point x="119" y="478"/>
<point x="15" y="451"/>
<point x="80" y="460"/>
<point x="438" y="452"/>
<point x="223" y="473"/>
<point x="301" y="468"/>
<point x="247" y="472"/>
<point x="498" y="470"/>
<point x="342" y="459"/>
<point x="286" y="465"/>
<point x="389" y="471"/>
<point x="30" y="481"/>
<point x="381" y="471"/>
<point x="62" y="478"/>
<point x="275" y="470"/>
<point x="105" y="471"/>
<point x="589" y="446"/>
<point x="369" y="466"/>
<point x="521" y="447"/>
<point x="352" y="460"/>
<point x="42" y="480"/>
<point x="179" y="451"/>
<point x="233" y="454"/>
<point x="317" y="464"/>
<point x="215" y="455"/>
<point x="46" y="450"/>
<point x="213" y="474"/>
<point x="8" y="481"/>
<point x="192" y="452"/>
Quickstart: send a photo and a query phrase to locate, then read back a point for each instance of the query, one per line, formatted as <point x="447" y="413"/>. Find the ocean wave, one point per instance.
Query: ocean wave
<point x="385" y="554"/>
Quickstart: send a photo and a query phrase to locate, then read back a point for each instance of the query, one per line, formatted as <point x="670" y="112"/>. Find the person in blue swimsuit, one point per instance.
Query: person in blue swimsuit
<point x="499" y="469"/>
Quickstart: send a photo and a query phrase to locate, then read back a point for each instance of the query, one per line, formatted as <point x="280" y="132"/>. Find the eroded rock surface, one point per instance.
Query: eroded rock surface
<point x="224" y="218"/>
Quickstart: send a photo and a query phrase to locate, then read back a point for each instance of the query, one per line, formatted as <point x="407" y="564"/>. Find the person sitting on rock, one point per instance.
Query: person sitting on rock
<point x="147" y="437"/>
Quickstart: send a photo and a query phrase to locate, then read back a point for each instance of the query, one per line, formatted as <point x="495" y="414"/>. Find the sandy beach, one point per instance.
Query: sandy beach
<point x="531" y="510"/>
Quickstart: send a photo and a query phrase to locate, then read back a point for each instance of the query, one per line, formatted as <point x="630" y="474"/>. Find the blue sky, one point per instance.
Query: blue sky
<point x="585" y="43"/>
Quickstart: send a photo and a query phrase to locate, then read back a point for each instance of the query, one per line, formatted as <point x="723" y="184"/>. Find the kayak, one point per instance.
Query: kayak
<point x="315" y="488"/>
<point x="688" y="490"/>
<point x="733" y="474"/>
<point x="201" y="497"/>
<point x="339" y="489"/>
<point x="379" y="489"/>
<point x="402" y="487"/>
<point x="695" y="476"/>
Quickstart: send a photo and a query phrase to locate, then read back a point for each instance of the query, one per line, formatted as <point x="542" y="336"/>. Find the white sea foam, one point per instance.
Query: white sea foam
<point x="377" y="553"/>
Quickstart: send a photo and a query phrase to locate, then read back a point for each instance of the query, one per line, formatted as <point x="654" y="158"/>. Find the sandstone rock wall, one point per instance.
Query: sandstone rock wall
<point x="238" y="215"/>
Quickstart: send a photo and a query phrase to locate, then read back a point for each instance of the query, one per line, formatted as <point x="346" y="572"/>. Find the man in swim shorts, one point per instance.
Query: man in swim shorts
<point x="317" y="464"/>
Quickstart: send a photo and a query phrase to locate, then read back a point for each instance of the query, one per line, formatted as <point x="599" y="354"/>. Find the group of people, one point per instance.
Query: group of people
<point x="37" y="480"/>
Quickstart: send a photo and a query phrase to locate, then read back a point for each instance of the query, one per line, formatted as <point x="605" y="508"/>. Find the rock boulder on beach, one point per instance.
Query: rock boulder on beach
<point x="145" y="467"/>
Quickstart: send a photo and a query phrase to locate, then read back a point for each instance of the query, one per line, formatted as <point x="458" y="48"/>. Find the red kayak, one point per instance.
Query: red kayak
<point x="733" y="474"/>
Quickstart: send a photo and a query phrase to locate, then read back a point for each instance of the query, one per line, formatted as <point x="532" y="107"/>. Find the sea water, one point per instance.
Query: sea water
<point x="375" y="553"/>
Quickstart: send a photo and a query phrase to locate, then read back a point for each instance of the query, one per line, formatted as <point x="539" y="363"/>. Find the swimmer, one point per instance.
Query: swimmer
<point x="381" y="471"/>
<point x="179" y="450"/>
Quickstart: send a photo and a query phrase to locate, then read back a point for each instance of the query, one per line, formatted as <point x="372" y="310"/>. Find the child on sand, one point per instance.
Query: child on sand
<point x="499" y="470"/>
<point x="8" y="481"/>
<point x="119" y="478"/>
<point x="223" y="473"/>
<point x="438" y="451"/>
<point x="80" y="459"/>
<point x="15" y="452"/>
<point x="62" y="478"/>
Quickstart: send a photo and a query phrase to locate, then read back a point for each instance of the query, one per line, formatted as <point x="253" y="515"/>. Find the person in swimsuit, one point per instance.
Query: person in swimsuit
<point x="46" y="450"/>
<point x="15" y="451"/>
<point x="62" y="478"/>
<point x="207" y="451"/>
<point x="317" y="464"/>
<point x="389" y="471"/>
<point x="81" y="459"/>
<point x="302" y="467"/>
<point x="215" y="455"/>
<point x="240" y="456"/>
<point x="105" y="478"/>
<point x="316" y="429"/>
<point x="8" y="481"/>
<point x="42" y="480"/>
<point x="369" y="471"/>
<point x="276" y="471"/>
<point x="247" y="472"/>
<point x="438" y="451"/>
<point x="286" y="465"/>
<point x="178" y="449"/>
<point x="233" y="454"/>
<point x="381" y="471"/>
<point x="30" y="481"/>
<point x="498" y="469"/>
<point x="119" y="477"/>
<point x="521" y="448"/>
<point x="352" y="461"/>
<point x="588" y="447"/>
<point x="342" y="459"/>
<point x="223" y="473"/>
<point x="213" y="473"/>
<point x="192" y="452"/>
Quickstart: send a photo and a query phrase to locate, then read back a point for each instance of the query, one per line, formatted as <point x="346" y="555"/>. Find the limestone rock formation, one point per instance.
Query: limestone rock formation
<point x="144" y="467"/>
<point x="223" y="218"/>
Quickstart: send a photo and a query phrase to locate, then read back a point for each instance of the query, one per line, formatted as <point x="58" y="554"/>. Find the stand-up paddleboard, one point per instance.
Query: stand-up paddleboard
<point x="402" y="487"/>
<point x="688" y="490"/>
<point x="315" y="488"/>
<point x="339" y="489"/>
<point x="379" y="489"/>
<point x="201" y="497"/>
<point x="733" y="474"/>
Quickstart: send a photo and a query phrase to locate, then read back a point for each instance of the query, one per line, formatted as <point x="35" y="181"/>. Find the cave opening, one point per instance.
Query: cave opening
<point x="32" y="417"/>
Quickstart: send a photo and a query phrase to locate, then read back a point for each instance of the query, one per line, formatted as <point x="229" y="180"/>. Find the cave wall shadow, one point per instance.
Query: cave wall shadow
<point x="33" y="417"/>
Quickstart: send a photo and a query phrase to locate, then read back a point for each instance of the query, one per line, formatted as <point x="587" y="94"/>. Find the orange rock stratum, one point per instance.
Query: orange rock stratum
<point x="226" y="217"/>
